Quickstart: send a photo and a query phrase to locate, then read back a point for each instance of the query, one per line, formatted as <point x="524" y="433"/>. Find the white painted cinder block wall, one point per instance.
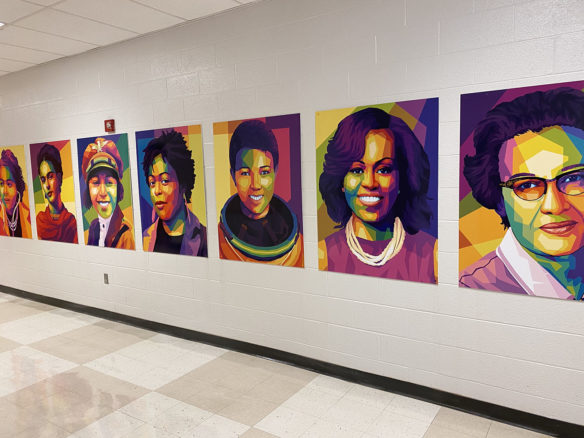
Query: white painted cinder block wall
<point x="279" y="57"/>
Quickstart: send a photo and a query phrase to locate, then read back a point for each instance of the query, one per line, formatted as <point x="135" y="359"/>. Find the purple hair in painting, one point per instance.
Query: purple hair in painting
<point x="348" y="146"/>
<point x="171" y="146"/>
<point x="527" y="166"/>
<point x="253" y="134"/>
<point x="531" y="112"/>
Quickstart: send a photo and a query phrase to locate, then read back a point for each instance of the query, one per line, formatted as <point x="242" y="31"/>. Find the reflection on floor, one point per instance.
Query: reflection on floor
<point x="65" y="374"/>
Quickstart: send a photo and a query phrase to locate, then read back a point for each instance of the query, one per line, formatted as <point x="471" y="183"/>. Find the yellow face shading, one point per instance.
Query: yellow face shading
<point x="371" y="184"/>
<point x="8" y="192"/>
<point x="164" y="189"/>
<point x="254" y="178"/>
<point x="103" y="192"/>
<point x="554" y="224"/>
<point x="50" y="183"/>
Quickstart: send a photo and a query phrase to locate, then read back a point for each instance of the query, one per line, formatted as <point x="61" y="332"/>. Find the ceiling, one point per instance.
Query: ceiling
<point x="39" y="31"/>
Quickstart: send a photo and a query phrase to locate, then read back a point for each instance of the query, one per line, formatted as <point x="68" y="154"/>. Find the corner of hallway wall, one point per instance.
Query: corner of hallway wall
<point x="278" y="57"/>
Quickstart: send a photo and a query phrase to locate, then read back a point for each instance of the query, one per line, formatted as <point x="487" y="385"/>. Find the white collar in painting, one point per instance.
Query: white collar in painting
<point x="103" y="227"/>
<point x="533" y="277"/>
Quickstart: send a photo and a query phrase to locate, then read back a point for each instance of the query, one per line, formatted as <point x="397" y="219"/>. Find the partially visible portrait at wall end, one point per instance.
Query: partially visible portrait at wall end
<point x="522" y="191"/>
<point x="14" y="207"/>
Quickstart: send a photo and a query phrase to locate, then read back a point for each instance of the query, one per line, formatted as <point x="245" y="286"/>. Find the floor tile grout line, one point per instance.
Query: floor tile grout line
<point x="323" y="368"/>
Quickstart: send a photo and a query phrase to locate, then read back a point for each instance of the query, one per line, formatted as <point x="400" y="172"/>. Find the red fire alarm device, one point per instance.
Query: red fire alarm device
<point x="110" y="125"/>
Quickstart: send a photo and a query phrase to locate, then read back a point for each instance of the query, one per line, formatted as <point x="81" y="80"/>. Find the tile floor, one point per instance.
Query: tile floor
<point x="65" y="374"/>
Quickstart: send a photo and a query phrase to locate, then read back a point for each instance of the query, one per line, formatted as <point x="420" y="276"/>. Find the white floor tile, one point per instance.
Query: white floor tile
<point x="327" y="429"/>
<point x="149" y="431"/>
<point x="181" y="420"/>
<point x="115" y="425"/>
<point x="312" y="401"/>
<point x="353" y="414"/>
<point x="331" y="385"/>
<point x="370" y="396"/>
<point x="40" y="326"/>
<point x="197" y="347"/>
<point x="149" y="364"/>
<point x="24" y="366"/>
<point x="150" y="406"/>
<point x="119" y="366"/>
<point x="161" y="355"/>
<point x="219" y="427"/>
<point x="325" y="407"/>
<point x="389" y="425"/>
<point x="286" y="423"/>
<point x="410" y="407"/>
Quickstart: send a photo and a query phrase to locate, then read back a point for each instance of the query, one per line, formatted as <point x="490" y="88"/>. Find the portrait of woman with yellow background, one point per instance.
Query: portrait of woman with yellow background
<point x="15" y="220"/>
<point x="522" y="191"/>
<point x="259" y="202"/>
<point x="172" y="190"/>
<point x="54" y="195"/>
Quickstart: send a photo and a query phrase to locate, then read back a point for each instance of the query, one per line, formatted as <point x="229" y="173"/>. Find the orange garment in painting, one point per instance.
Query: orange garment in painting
<point x="295" y="257"/>
<point x="119" y="234"/>
<point x="22" y="229"/>
<point x="62" y="228"/>
<point x="24" y="219"/>
<point x="260" y="219"/>
<point x="3" y="221"/>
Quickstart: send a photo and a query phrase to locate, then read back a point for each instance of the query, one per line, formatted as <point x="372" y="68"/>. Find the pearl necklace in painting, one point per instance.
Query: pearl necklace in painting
<point x="393" y="247"/>
<point x="13" y="222"/>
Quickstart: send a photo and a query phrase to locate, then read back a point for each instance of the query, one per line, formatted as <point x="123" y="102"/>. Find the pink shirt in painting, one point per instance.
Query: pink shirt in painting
<point x="414" y="262"/>
<point x="510" y="269"/>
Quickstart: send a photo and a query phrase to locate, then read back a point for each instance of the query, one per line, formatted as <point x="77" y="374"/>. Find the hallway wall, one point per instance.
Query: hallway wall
<point x="280" y="57"/>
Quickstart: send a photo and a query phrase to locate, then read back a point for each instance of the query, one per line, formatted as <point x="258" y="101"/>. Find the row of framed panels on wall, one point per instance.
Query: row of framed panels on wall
<point x="521" y="227"/>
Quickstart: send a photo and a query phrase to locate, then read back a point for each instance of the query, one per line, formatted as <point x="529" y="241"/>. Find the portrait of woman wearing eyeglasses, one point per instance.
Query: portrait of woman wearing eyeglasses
<point x="529" y="168"/>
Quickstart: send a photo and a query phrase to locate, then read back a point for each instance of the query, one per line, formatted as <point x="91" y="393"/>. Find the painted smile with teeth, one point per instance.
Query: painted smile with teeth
<point x="256" y="197"/>
<point x="369" y="200"/>
<point x="103" y="204"/>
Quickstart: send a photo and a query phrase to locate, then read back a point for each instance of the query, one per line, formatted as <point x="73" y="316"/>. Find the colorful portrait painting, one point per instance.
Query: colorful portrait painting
<point x="54" y="192"/>
<point x="106" y="191"/>
<point x="259" y="195"/>
<point x="377" y="190"/>
<point x="14" y="209"/>
<point x="172" y="190"/>
<point x="522" y="191"/>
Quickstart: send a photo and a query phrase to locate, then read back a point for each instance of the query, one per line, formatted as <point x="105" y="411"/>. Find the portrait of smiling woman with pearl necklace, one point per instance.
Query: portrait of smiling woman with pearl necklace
<point x="374" y="184"/>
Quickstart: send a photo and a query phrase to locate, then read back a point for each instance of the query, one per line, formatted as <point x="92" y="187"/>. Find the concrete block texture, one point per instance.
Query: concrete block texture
<point x="280" y="57"/>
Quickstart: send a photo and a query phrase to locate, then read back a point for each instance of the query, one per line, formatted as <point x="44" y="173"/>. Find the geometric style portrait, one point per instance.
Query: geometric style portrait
<point x="106" y="191"/>
<point x="54" y="191"/>
<point x="522" y="191"/>
<point x="172" y="190"/>
<point x="14" y="210"/>
<point x="259" y="195"/>
<point x="377" y="190"/>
